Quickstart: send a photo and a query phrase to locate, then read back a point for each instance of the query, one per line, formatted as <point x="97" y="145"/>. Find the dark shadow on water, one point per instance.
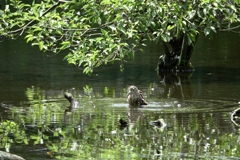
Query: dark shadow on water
<point x="176" y="85"/>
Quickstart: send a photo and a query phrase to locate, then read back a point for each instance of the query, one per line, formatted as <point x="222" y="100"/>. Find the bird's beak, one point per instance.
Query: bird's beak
<point x="128" y="93"/>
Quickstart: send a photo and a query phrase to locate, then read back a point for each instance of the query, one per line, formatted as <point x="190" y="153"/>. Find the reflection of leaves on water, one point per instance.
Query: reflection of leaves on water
<point x="34" y="93"/>
<point x="192" y="130"/>
<point x="10" y="132"/>
<point x="88" y="90"/>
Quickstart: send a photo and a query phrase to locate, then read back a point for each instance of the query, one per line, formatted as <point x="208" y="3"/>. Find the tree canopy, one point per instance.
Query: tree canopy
<point x="98" y="32"/>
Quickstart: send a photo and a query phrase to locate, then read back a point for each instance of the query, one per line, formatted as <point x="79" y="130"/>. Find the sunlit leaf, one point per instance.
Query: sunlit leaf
<point x="40" y="44"/>
<point x="113" y="27"/>
<point x="206" y="31"/>
<point x="65" y="45"/>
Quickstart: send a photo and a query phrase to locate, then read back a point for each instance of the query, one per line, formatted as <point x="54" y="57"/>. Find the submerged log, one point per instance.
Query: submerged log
<point x="74" y="103"/>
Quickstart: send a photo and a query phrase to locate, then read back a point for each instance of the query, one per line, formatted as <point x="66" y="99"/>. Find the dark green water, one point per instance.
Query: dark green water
<point x="195" y="109"/>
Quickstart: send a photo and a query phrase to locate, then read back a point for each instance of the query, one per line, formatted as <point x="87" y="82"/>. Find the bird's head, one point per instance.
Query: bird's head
<point x="132" y="90"/>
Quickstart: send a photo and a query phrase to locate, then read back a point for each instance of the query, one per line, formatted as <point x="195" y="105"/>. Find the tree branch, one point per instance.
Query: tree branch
<point x="32" y="21"/>
<point x="231" y="29"/>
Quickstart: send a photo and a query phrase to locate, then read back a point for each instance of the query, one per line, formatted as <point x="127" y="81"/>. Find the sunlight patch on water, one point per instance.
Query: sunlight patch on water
<point x="120" y="105"/>
<point x="190" y="106"/>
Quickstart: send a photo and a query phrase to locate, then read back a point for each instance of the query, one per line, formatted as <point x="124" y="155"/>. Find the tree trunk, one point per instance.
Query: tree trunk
<point x="177" y="54"/>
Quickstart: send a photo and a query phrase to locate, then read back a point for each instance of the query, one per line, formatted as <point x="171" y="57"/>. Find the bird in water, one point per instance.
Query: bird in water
<point x="160" y="123"/>
<point x="135" y="97"/>
<point x="122" y="124"/>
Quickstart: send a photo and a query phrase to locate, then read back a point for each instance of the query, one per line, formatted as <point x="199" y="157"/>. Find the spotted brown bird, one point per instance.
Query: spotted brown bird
<point x="135" y="97"/>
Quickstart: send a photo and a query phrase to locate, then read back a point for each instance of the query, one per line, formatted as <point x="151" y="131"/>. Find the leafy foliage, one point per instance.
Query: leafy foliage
<point x="99" y="32"/>
<point x="9" y="132"/>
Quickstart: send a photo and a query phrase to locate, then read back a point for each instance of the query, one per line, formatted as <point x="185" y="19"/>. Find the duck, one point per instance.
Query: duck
<point x="159" y="123"/>
<point x="135" y="97"/>
<point x="123" y="122"/>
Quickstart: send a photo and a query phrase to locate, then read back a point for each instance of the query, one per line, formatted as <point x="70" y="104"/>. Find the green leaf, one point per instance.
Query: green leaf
<point x="40" y="44"/>
<point x="1" y="13"/>
<point x="165" y="37"/>
<point x="106" y="2"/>
<point x="37" y="29"/>
<point x="170" y="27"/>
<point x="29" y="37"/>
<point x="122" y="29"/>
<point x="191" y="14"/>
<point x="112" y="27"/>
<point x="207" y="31"/>
<point x="213" y="29"/>
<point x="99" y="20"/>
<point x="104" y="32"/>
<point x="65" y="44"/>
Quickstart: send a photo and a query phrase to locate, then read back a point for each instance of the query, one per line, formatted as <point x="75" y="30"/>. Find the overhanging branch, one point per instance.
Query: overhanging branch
<point x="32" y="21"/>
<point x="231" y="28"/>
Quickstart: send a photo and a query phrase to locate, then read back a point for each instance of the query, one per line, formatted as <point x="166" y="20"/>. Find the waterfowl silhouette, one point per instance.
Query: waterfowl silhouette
<point x="160" y="123"/>
<point x="123" y="124"/>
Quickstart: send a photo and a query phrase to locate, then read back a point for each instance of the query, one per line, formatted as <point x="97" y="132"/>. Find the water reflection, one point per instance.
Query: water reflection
<point x="176" y="85"/>
<point x="195" y="107"/>
<point x="191" y="132"/>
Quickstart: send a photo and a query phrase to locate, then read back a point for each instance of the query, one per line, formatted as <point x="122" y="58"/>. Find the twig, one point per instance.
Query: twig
<point x="230" y="29"/>
<point x="181" y="53"/>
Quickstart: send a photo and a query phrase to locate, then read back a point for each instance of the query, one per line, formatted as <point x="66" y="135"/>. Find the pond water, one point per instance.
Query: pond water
<point x="196" y="108"/>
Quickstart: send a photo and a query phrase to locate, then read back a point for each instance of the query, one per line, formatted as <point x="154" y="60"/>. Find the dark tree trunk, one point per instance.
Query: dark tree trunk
<point x="177" y="54"/>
